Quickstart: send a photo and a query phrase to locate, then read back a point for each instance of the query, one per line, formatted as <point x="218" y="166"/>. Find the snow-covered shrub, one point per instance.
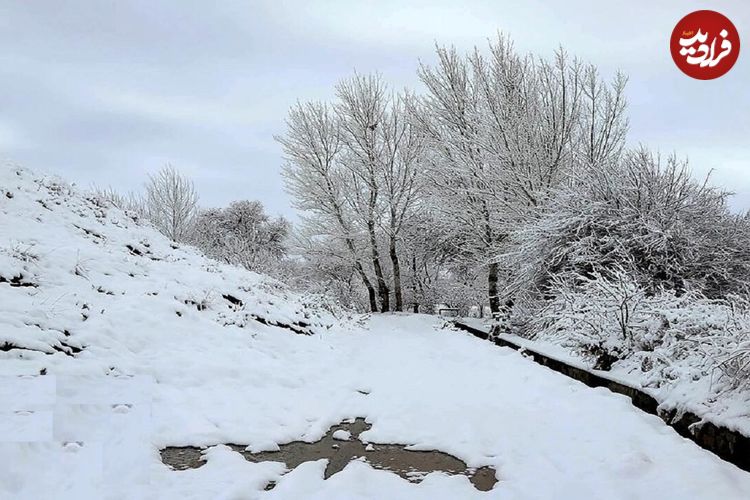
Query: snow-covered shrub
<point x="605" y="317"/>
<point x="737" y="362"/>
<point x="653" y="220"/>
<point x="131" y="203"/>
<point x="323" y="302"/>
<point x="610" y="319"/>
<point x="170" y="203"/>
<point x="704" y="341"/>
<point x="24" y="252"/>
<point x="242" y="234"/>
<point x="726" y="337"/>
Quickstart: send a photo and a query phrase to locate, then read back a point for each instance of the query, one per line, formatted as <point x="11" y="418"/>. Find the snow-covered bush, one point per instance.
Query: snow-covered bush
<point x="703" y="339"/>
<point x="132" y="203"/>
<point x="170" y="202"/>
<point x="651" y="219"/>
<point x="605" y="316"/>
<point x="726" y="339"/>
<point x="610" y="319"/>
<point x="242" y="234"/>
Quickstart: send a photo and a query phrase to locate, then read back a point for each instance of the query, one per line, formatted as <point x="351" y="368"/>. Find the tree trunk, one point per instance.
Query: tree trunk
<point x="414" y="281"/>
<point x="493" y="269"/>
<point x="383" y="292"/>
<point x="357" y="263"/>
<point x="353" y="251"/>
<point x="361" y="271"/>
<point x="396" y="275"/>
<point x="492" y="289"/>
<point x="368" y="285"/>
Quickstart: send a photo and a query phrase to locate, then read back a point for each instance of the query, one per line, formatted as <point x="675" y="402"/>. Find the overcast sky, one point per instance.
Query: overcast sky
<point x="105" y="92"/>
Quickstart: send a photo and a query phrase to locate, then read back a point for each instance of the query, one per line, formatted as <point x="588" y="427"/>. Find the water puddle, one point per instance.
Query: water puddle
<point x="410" y="465"/>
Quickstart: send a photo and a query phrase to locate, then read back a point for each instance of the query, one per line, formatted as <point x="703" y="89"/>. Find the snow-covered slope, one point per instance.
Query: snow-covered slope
<point x="74" y="271"/>
<point x="144" y="345"/>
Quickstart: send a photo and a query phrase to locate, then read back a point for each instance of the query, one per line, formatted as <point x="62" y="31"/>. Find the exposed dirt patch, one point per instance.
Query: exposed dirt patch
<point x="237" y="303"/>
<point x="63" y="347"/>
<point x="90" y="232"/>
<point x="299" y="328"/>
<point x="18" y="281"/>
<point x="142" y="252"/>
<point x="134" y="251"/>
<point x="410" y="465"/>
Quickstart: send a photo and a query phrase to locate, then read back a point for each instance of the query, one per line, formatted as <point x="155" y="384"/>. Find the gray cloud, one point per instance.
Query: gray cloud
<point x="104" y="92"/>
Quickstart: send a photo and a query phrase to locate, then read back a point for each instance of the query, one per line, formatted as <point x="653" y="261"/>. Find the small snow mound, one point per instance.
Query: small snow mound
<point x="342" y="435"/>
<point x="262" y="446"/>
<point x="125" y="408"/>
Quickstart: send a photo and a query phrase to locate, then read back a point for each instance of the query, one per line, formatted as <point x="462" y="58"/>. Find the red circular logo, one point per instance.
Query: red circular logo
<point x="705" y="44"/>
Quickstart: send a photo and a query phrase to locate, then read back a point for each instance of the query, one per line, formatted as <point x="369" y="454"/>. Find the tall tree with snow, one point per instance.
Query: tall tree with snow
<point x="318" y="181"/>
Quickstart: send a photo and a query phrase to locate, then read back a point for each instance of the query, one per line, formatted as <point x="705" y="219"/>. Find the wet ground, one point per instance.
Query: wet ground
<point x="410" y="465"/>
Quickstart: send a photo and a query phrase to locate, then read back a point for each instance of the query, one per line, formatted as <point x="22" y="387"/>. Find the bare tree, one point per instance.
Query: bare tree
<point x="451" y="117"/>
<point x="504" y="131"/>
<point x="400" y="177"/>
<point x="171" y="203"/>
<point x="357" y="167"/>
<point x="361" y="109"/>
<point x="317" y="181"/>
<point x="603" y="124"/>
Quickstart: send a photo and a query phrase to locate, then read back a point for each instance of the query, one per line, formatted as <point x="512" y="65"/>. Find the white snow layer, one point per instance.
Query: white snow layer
<point x="342" y="435"/>
<point x="147" y="377"/>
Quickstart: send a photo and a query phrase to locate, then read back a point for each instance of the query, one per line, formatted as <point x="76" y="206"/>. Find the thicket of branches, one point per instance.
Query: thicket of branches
<point x="242" y="234"/>
<point x="417" y="195"/>
<point x="649" y="217"/>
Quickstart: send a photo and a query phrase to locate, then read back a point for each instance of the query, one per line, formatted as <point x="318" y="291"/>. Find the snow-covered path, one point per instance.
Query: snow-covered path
<point x="546" y="435"/>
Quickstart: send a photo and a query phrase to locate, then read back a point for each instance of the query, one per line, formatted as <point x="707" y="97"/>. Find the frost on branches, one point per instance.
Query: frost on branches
<point x="638" y="268"/>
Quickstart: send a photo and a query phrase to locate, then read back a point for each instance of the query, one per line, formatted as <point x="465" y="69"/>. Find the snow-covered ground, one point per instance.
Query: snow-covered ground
<point x="178" y="350"/>
<point x="692" y="383"/>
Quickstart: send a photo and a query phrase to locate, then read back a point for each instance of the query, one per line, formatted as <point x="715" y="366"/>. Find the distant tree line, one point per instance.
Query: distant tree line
<point x="241" y="233"/>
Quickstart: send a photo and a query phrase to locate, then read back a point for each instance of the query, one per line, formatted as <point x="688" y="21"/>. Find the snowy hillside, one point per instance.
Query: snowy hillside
<point x="115" y="343"/>
<point x="75" y="270"/>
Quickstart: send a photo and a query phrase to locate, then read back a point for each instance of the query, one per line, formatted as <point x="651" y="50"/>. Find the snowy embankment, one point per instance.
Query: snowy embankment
<point x="144" y="345"/>
<point x="691" y="382"/>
